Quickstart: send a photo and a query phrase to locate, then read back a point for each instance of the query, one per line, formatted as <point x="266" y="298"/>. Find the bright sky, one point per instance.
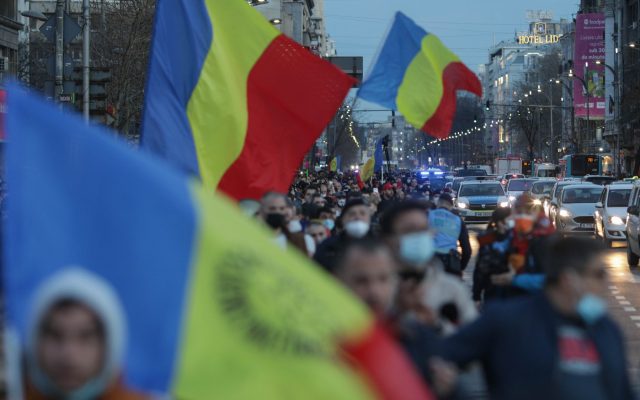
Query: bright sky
<point x="468" y="27"/>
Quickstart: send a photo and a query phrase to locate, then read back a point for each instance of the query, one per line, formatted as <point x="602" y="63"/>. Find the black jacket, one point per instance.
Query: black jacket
<point x="517" y="343"/>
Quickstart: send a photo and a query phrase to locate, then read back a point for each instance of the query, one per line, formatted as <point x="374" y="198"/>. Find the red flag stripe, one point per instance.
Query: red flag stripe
<point x="292" y="95"/>
<point x="456" y="76"/>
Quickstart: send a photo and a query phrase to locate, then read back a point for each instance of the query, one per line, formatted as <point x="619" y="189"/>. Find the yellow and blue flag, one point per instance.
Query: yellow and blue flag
<point x="214" y="309"/>
<point x="417" y="75"/>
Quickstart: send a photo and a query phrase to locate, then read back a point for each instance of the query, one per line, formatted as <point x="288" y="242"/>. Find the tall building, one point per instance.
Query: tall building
<point x="301" y="20"/>
<point x="10" y="26"/>
<point x="629" y="74"/>
<point x="512" y="63"/>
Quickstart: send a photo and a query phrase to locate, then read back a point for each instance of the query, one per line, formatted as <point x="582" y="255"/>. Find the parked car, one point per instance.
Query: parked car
<point x="576" y="206"/>
<point x="611" y="212"/>
<point x="477" y="200"/>
<point x="633" y="226"/>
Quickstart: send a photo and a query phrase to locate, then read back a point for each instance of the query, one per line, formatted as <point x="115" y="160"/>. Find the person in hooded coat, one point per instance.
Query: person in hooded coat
<point x="76" y="341"/>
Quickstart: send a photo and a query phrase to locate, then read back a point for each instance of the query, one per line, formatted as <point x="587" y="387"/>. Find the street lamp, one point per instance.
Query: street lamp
<point x="35" y="15"/>
<point x="276" y="21"/>
<point x="616" y="116"/>
<point x="587" y="91"/>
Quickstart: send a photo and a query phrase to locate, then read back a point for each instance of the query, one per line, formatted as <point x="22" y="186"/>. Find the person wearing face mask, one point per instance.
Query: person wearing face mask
<point x="437" y="296"/>
<point x="531" y="232"/>
<point x="492" y="257"/>
<point x="559" y="344"/>
<point x="278" y="213"/>
<point x="355" y="221"/>
<point x="328" y="218"/>
<point x="367" y="268"/>
<point x="450" y="231"/>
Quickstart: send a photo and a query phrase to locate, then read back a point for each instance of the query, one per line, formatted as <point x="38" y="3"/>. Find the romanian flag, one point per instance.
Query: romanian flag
<point x="417" y="75"/>
<point x="233" y="101"/>
<point x="214" y="309"/>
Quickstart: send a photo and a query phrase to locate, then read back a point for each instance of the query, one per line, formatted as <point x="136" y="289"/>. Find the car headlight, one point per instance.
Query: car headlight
<point x="537" y="202"/>
<point x="512" y="197"/>
<point x="462" y="205"/>
<point x="504" y="204"/>
<point x="564" y="213"/>
<point x="616" y="221"/>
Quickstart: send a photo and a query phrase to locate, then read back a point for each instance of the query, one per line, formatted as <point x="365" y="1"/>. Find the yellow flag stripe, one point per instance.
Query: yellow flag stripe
<point x="217" y="110"/>
<point x="261" y="322"/>
<point x="422" y="87"/>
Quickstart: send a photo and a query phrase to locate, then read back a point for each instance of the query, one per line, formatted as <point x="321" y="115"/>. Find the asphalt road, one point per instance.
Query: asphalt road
<point x="623" y="298"/>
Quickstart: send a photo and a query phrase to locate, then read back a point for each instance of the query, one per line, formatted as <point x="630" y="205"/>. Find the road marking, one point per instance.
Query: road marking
<point x="638" y="325"/>
<point x="635" y="317"/>
<point x="625" y="303"/>
<point x="630" y="309"/>
<point x="620" y="298"/>
<point x="613" y="287"/>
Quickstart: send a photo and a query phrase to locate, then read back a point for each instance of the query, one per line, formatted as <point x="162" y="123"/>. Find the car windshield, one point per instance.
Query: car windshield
<point x="456" y="184"/>
<point x="618" y="198"/>
<point x="542" y="187"/>
<point x="481" y="190"/>
<point x="519" y="185"/>
<point x="546" y="173"/>
<point x="581" y="195"/>
<point x="556" y="194"/>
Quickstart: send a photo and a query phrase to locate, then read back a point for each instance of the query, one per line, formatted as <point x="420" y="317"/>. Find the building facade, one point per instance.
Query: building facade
<point x="10" y="27"/>
<point x="511" y="65"/>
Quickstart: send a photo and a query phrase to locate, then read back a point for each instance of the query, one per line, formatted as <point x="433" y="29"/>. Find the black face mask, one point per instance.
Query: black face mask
<point x="275" y="220"/>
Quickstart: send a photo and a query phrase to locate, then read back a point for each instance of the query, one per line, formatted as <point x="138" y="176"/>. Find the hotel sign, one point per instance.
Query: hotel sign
<point x="538" y="39"/>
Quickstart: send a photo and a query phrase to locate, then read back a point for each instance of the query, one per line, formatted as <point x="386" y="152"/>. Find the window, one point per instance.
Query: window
<point x="8" y="9"/>
<point x="481" y="190"/>
<point x="581" y="195"/>
<point x="619" y="198"/>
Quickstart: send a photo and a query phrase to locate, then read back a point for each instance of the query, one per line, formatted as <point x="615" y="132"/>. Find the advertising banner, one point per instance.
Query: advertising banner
<point x="589" y="48"/>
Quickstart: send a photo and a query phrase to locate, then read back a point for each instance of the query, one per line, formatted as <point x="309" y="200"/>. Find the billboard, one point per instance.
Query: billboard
<point x="589" y="48"/>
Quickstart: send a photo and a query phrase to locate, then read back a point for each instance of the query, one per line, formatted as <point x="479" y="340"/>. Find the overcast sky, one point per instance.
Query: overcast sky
<point x="468" y="27"/>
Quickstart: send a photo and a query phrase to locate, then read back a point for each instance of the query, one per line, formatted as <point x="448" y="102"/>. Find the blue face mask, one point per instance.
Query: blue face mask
<point x="329" y="224"/>
<point x="591" y="308"/>
<point x="417" y="248"/>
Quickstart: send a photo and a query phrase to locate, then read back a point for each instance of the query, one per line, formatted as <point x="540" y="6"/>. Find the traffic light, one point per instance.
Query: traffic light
<point x="98" y="80"/>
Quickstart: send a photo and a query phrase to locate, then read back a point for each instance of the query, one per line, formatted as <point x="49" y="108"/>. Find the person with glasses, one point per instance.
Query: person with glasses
<point x="559" y="344"/>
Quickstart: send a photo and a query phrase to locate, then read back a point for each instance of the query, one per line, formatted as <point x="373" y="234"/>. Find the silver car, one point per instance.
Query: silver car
<point x="576" y="206"/>
<point x="611" y="212"/>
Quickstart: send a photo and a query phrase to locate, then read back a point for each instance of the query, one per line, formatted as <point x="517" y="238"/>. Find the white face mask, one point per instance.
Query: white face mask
<point x="417" y="248"/>
<point x="295" y="226"/>
<point x="357" y="229"/>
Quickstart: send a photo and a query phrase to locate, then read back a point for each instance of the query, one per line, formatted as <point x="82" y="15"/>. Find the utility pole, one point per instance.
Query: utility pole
<point x="86" y="58"/>
<point x="59" y="48"/>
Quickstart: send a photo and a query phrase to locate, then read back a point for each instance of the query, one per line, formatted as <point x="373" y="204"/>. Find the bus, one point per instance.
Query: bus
<point x="579" y="165"/>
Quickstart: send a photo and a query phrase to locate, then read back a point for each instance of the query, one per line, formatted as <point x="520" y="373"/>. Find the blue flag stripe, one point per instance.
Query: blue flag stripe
<point x="64" y="210"/>
<point x="182" y="38"/>
<point x="401" y="46"/>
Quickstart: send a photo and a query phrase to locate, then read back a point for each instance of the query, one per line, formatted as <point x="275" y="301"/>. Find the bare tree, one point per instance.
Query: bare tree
<point x="121" y="42"/>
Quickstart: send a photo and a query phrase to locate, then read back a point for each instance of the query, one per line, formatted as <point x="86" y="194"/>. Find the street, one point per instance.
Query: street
<point x="623" y="298"/>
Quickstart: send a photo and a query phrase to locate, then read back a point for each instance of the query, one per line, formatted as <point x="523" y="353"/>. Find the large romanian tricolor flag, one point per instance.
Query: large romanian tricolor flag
<point x="214" y="309"/>
<point x="232" y="100"/>
<point x="417" y="75"/>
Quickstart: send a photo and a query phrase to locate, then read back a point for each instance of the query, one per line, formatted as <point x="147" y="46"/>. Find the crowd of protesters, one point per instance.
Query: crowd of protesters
<point x="534" y="316"/>
<point x="534" y="320"/>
